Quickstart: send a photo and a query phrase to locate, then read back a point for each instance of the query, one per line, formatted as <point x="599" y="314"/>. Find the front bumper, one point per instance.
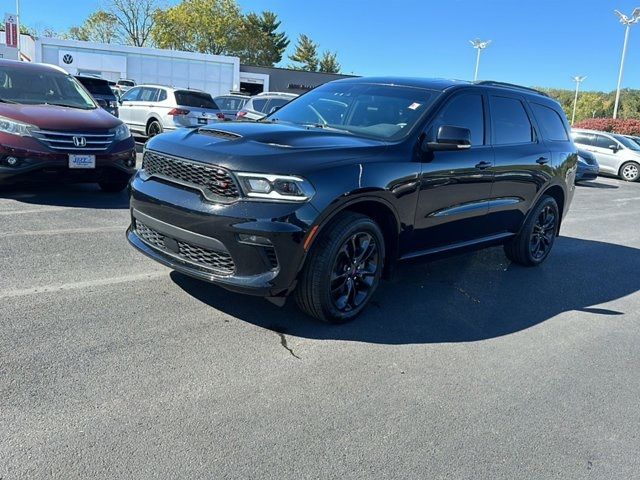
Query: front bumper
<point x="36" y="163"/>
<point x="183" y="222"/>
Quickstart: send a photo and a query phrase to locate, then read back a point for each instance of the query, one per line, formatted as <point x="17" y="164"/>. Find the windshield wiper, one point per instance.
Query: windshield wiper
<point x="4" y="100"/>
<point x="325" y="126"/>
<point x="67" y="105"/>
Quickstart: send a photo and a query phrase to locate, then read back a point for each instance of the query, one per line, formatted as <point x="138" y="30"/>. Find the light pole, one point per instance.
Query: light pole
<point x="578" y="79"/>
<point x="627" y="22"/>
<point x="479" y="45"/>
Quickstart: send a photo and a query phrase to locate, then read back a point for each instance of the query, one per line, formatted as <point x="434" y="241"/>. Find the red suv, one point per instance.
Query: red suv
<point x="51" y="128"/>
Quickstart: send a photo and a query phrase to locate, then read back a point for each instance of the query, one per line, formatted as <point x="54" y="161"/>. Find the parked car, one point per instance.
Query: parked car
<point x="634" y="138"/>
<point x="616" y="154"/>
<point x="588" y="168"/>
<point x="262" y="104"/>
<point x="125" y="84"/>
<point x="321" y="204"/>
<point x="51" y="129"/>
<point x="101" y="91"/>
<point x="152" y="109"/>
<point x="231" y="104"/>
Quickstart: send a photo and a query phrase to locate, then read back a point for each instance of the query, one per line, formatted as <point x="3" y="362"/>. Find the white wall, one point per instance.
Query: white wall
<point x="215" y="74"/>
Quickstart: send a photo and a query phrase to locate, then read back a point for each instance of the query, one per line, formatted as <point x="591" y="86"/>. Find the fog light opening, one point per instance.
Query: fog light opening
<point x="251" y="239"/>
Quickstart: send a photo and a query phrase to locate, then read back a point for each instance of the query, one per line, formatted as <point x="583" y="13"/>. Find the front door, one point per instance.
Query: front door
<point x="608" y="158"/>
<point x="455" y="186"/>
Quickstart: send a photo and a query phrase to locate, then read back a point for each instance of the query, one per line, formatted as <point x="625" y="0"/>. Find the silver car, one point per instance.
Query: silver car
<point x="263" y="104"/>
<point x="231" y="104"/>
<point x="616" y="154"/>
<point x="152" y="109"/>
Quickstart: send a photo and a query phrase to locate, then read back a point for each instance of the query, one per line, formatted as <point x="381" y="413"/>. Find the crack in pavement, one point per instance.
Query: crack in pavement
<point x="283" y="342"/>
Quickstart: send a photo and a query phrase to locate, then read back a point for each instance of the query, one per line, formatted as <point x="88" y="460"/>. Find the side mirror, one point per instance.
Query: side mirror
<point x="614" y="148"/>
<point x="103" y="103"/>
<point x="451" y="138"/>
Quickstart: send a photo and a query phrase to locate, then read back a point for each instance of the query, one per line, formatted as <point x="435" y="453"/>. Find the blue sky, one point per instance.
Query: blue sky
<point x="539" y="42"/>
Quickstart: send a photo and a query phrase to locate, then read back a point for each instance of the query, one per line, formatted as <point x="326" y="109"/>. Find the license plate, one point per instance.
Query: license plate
<point x="203" y="121"/>
<point x="82" y="161"/>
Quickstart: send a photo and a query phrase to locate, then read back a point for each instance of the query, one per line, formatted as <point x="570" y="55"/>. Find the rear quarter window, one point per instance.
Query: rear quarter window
<point x="550" y="123"/>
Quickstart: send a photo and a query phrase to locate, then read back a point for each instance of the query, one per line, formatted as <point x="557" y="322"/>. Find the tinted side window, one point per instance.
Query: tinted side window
<point x="132" y="95"/>
<point x="259" y="104"/>
<point x="510" y="121"/>
<point x="148" y="94"/>
<point x="604" y="142"/>
<point x="464" y="111"/>
<point x="550" y="123"/>
<point x="584" y="139"/>
<point x="162" y="96"/>
<point x="276" y="103"/>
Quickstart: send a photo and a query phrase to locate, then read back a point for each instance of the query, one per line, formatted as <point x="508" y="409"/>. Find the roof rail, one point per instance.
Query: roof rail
<point x="510" y="85"/>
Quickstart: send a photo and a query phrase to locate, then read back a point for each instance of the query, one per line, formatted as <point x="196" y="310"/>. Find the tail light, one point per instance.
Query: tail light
<point x="220" y="115"/>
<point x="241" y="114"/>
<point x="174" y="112"/>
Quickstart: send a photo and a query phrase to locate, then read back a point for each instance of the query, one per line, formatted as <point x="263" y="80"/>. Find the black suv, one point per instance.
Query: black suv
<point x="323" y="196"/>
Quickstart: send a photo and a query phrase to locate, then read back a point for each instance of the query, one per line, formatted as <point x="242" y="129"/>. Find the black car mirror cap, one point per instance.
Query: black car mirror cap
<point x="103" y="103"/>
<point x="451" y="138"/>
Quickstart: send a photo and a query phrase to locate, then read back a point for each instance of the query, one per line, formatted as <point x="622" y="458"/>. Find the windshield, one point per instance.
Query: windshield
<point x="383" y="112"/>
<point x="627" y="142"/>
<point x="25" y="86"/>
<point x="186" y="98"/>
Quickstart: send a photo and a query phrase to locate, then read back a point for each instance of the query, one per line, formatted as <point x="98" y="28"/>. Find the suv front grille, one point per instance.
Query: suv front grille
<point x="219" y="262"/>
<point x="75" y="142"/>
<point x="214" y="182"/>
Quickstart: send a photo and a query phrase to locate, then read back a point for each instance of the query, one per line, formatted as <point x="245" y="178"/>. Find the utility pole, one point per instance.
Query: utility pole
<point x="479" y="45"/>
<point x="578" y="79"/>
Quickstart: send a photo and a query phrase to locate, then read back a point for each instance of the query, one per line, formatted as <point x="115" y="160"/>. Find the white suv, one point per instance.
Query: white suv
<point x="616" y="154"/>
<point x="152" y="109"/>
<point x="263" y="104"/>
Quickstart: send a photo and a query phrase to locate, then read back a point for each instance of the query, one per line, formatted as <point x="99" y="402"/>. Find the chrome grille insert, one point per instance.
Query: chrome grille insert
<point x="218" y="262"/>
<point x="75" y="141"/>
<point x="214" y="182"/>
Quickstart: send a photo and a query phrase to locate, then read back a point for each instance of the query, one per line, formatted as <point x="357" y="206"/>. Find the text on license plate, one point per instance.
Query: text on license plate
<point x="82" y="161"/>
<point x="203" y="121"/>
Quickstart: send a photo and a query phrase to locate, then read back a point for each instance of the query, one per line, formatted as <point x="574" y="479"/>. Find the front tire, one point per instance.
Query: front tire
<point x="343" y="269"/>
<point x="630" y="172"/>
<point x="533" y="244"/>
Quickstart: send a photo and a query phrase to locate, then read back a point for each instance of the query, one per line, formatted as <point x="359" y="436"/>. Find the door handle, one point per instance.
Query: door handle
<point x="482" y="165"/>
<point x="542" y="161"/>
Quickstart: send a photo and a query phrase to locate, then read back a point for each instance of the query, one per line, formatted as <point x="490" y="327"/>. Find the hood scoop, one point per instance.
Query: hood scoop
<point x="219" y="133"/>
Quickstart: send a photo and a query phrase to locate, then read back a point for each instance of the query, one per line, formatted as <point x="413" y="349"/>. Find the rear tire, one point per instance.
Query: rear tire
<point x="154" y="128"/>
<point x="630" y="172"/>
<point x="343" y="269"/>
<point x="533" y="244"/>
<point x="113" y="185"/>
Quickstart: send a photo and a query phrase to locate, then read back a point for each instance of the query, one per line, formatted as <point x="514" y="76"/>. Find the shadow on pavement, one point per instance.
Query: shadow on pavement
<point x="594" y="184"/>
<point x="66" y="195"/>
<point x="466" y="298"/>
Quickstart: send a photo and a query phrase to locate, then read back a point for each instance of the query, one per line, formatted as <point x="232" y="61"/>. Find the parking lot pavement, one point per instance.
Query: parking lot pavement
<point x="467" y="367"/>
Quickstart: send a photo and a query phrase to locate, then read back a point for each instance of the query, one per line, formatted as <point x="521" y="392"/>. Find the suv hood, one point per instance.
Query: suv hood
<point x="264" y="147"/>
<point x="52" y="117"/>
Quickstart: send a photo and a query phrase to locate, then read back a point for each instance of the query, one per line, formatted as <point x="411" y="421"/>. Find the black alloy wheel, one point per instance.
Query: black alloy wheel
<point x="342" y="270"/>
<point x="543" y="233"/>
<point x="154" y="129"/>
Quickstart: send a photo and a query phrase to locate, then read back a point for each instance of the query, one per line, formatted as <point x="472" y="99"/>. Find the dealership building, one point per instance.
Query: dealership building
<point x="215" y="74"/>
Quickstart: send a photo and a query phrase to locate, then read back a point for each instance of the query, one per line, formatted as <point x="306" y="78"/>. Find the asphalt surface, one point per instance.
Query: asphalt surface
<point x="112" y="367"/>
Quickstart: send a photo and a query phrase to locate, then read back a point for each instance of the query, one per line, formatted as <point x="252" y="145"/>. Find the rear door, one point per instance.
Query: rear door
<point x="455" y="186"/>
<point x="522" y="162"/>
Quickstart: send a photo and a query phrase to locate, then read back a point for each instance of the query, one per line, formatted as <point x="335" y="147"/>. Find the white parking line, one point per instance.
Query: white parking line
<point x="65" y="231"/>
<point x="79" y="285"/>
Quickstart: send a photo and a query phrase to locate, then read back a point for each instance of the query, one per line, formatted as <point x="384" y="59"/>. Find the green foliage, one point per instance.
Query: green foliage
<point x="305" y="54"/>
<point x="260" y="43"/>
<point x="100" y="27"/>
<point x="597" y="104"/>
<point x="205" y="26"/>
<point x="329" y="63"/>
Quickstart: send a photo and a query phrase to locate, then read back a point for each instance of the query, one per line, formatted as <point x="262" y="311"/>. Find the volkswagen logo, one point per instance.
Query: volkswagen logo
<point x="80" y="141"/>
<point x="68" y="59"/>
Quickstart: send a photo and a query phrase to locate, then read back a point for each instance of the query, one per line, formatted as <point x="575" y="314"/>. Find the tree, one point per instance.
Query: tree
<point x="135" y="19"/>
<point x="205" y="26"/>
<point x="329" y="63"/>
<point x="100" y="27"/>
<point x="305" y="54"/>
<point x="260" y="43"/>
